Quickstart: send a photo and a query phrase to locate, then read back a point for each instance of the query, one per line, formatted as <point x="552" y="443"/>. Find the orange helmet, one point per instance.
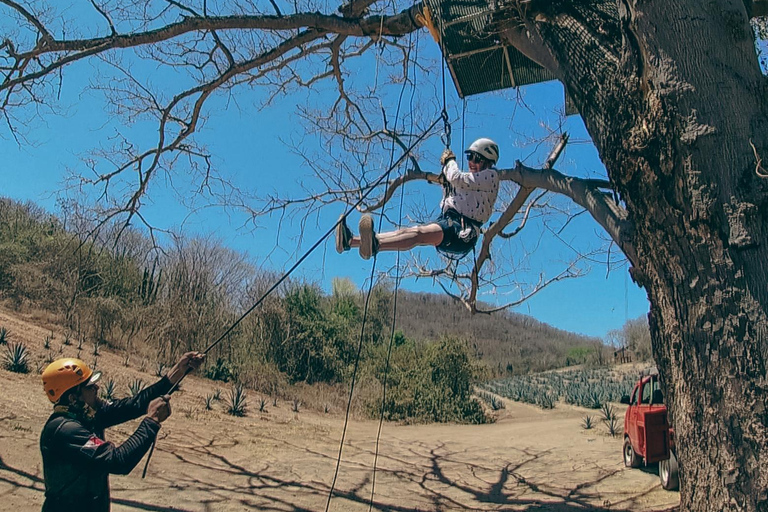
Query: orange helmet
<point x="64" y="374"/>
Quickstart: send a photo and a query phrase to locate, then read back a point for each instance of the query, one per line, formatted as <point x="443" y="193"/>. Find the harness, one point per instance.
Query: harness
<point x="467" y="236"/>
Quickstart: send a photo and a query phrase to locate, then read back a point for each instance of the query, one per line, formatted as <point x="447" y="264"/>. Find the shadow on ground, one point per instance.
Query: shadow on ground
<point x="215" y="476"/>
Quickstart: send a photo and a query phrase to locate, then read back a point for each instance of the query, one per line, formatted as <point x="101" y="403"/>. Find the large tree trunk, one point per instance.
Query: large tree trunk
<point x="672" y="96"/>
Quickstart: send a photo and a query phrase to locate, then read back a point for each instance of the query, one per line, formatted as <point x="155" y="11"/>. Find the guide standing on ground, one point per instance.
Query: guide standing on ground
<point x="77" y="459"/>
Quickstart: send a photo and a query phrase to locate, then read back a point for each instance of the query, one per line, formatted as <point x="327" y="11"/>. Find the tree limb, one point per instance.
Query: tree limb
<point x="587" y="194"/>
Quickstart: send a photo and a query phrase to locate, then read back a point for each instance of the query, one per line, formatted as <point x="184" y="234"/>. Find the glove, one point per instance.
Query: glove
<point x="446" y="157"/>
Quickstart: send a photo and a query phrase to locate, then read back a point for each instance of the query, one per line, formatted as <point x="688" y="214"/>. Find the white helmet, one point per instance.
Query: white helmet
<point x="485" y="148"/>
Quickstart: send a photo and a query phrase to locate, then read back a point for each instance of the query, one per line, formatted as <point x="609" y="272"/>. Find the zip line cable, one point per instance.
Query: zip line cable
<point x="300" y="261"/>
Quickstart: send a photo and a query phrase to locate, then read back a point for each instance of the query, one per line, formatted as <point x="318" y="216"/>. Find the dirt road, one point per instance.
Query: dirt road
<point x="529" y="460"/>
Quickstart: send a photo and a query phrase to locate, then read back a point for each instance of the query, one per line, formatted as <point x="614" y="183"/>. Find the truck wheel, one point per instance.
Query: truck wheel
<point x="631" y="458"/>
<point x="669" y="472"/>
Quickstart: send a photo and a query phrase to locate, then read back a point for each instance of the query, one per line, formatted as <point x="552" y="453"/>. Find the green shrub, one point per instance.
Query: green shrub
<point x="431" y="383"/>
<point x="221" y="370"/>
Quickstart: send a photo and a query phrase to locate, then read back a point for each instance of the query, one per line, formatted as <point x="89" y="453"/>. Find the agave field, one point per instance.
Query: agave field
<point x="590" y="388"/>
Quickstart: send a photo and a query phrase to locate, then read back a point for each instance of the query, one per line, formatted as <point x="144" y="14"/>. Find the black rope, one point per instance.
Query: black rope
<point x="299" y="262"/>
<point x="362" y="327"/>
<point x="463" y="129"/>
<point x="446" y="135"/>
<point x="397" y="279"/>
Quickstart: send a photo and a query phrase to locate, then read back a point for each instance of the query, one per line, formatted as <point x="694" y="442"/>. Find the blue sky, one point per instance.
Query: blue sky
<point x="248" y="148"/>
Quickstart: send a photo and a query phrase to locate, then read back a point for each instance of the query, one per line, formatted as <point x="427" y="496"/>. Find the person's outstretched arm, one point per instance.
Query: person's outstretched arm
<point x="126" y="409"/>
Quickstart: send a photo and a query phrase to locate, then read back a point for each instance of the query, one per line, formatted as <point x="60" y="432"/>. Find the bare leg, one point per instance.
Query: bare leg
<point x="406" y="238"/>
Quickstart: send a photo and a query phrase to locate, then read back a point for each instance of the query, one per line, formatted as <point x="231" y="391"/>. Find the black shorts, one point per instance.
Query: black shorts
<point x="452" y="223"/>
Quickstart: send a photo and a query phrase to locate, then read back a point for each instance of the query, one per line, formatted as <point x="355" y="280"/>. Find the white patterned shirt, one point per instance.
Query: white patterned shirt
<point x="473" y="194"/>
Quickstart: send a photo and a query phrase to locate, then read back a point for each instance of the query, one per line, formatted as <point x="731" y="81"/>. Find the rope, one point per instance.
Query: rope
<point x="301" y="260"/>
<point x="362" y="327"/>
<point x="397" y="281"/>
<point x="446" y="135"/>
<point x="463" y="129"/>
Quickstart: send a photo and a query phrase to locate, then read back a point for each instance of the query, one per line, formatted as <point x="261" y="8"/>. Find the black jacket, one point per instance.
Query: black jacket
<point x="77" y="460"/>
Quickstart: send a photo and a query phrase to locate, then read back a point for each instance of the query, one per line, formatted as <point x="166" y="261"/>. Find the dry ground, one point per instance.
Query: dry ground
<point x="529" y="460"/>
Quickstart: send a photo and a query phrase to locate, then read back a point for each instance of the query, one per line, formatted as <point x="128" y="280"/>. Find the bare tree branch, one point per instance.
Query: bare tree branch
<point x="587" y="194"/>
<point x="45" y="34"/>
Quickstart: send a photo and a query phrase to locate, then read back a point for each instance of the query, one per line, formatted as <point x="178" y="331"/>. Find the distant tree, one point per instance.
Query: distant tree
<point x="635" y="336"/>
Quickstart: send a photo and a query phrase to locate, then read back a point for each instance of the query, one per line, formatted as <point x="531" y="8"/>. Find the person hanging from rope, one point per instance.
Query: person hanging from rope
<point x="77" y="460"/>
<point x="467" y="204"/>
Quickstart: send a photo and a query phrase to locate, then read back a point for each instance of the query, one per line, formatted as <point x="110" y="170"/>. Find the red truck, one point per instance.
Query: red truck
<point x="648" y="436"/>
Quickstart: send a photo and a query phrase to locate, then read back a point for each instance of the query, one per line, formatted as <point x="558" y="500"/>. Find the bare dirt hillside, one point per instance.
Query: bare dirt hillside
<point x="280" y="460"/>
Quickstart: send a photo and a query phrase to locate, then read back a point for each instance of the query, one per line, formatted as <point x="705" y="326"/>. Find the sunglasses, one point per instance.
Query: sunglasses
<point x="474" y="157"/>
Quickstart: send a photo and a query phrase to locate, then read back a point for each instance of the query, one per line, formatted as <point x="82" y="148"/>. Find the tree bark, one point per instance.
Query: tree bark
<point x="674" y="100"/>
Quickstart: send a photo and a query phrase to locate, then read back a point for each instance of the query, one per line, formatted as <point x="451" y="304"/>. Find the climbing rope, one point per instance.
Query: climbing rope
<point x="298" y="262"/>
<point x="363" y="323"/>
<point x="397" y="279"/>
<point x="446" y="135"/>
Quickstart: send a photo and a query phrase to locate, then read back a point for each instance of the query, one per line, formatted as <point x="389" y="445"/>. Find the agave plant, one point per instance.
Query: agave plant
<point x="608" y="413"/>
<point x="160" y="369"/>
<point x="4" y="336"/>
<point x="108" y="390"/>
<point x="209" y="401"/>
<point x="17" y="358"/>
<point x="217" y="394"/>
<point x="295" y="405"/>
<point x="67" y="339"/>
<point x="236" y="401"/>
<point x="587" y="423"/>
<point x="47" y="343"/>
<point x="135" y="387"/>
<point x="262" y="404"/>
<point x="497" y="403"/>
<point x="613" y="426"/>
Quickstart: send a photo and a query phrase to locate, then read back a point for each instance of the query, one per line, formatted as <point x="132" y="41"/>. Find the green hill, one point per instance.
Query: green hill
<point x="508" y="342"/>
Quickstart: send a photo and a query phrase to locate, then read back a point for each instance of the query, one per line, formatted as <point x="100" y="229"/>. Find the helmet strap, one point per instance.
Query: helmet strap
<point x="75" y="409"/>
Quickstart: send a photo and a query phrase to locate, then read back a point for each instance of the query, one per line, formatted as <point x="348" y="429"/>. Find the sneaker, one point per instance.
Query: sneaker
<point x="369" y="245"/>
<point x="343" y="235"/>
